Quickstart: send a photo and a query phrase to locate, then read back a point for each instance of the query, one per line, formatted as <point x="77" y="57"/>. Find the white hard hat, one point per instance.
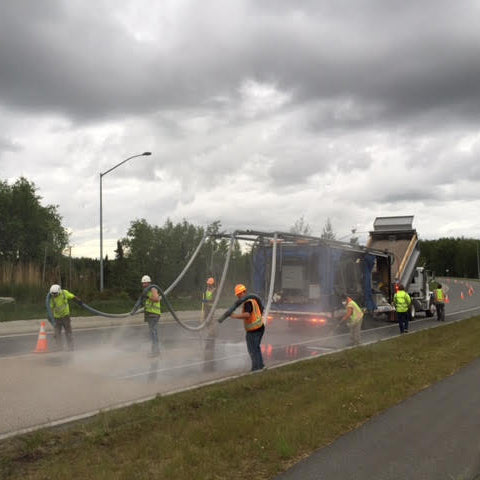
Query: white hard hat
<point x="146" y="279"/>
<point x="55" y="289"/>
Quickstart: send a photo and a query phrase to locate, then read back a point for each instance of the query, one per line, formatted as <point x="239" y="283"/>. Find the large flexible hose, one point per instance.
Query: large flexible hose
<point x="207" y="320"/>
<point x="227" y="313"/>
<point x="51" y="318"/>
<point x="139" y="303"/>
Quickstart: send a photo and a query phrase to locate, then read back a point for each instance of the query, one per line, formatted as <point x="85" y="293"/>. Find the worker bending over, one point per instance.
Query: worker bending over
<point x="354" y="318"/>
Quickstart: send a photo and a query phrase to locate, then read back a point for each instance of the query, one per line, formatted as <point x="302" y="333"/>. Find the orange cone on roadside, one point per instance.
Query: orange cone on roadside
<point x="462" y="296"/>
<point x="447" y="300"/>
<point x="42" y="346"/>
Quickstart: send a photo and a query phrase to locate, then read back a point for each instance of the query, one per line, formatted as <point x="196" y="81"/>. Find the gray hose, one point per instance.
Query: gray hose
<point x="272" y="279"/>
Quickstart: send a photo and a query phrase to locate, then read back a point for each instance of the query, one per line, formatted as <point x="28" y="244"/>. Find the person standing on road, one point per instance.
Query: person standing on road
<point x="207" y="303"/>
<point x="152" y="311"/>
<point x="402" y="302"/>
<point x="354" y="318"/>
<point x="59" y="304"/>
<point x="251" y="315"/>
<point x="439" y="299"/>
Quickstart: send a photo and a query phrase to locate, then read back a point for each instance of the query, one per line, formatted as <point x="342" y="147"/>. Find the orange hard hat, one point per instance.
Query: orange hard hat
<point x="240" y="288"/>
<point x="210" y="281"/>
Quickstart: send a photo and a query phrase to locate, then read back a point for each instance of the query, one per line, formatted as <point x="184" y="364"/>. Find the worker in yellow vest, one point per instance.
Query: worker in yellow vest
<point x="354" y="318"/>
<point x="207" y="300"/>
<point x="251" y="315"/>
<point x="207" y="303"/>
<point x="402" y="302"/>
<point x="152" y="311"/>
<point x="60" y="307"/>
<point x="439" y="300"/>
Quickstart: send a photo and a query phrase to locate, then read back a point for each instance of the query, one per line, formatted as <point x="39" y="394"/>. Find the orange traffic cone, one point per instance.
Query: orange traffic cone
<point x="42" y="346"/>
<point x="462" y="296"/>
<point x="447" y="300"/>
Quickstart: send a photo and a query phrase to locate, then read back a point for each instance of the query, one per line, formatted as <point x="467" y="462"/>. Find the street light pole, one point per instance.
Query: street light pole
<point x="478" y="263"/>
<point x="102" y="174"/>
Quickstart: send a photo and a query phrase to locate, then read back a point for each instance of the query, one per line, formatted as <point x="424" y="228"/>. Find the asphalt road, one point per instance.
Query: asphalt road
<point x="110" y="366"/>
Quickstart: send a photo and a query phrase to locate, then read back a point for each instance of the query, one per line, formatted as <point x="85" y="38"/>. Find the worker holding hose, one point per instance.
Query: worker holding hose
<point x="152" y="311"/>
<point x="61" y="313"/>
<point x="251" y="315"/>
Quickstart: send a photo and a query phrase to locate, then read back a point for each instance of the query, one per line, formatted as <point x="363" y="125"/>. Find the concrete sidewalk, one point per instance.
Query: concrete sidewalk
<point x="432" y="435"/>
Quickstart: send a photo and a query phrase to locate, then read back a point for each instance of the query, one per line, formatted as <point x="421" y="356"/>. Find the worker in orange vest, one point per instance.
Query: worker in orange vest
<point x="251" y="315"/>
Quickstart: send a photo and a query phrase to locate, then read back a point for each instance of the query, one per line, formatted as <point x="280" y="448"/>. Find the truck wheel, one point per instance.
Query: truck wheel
<point x="431" y="310"/>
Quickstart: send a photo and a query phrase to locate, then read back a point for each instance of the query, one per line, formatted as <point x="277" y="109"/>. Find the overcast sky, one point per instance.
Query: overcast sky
<point x="257" y="113"/>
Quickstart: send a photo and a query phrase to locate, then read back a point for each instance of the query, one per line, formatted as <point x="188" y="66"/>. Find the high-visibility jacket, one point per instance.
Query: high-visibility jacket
<point x="439" y="296"/>
<point x="151" y="306"/>
<point x="402" y="301"/>
<point x="357" y="314"/>
<point x="254" y="321"/>
<point x="208" y="295"/>
<point x="59" y="304"/>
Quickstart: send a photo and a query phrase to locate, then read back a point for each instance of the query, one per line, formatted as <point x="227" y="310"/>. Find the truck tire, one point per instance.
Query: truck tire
<point x="431" y="310"/>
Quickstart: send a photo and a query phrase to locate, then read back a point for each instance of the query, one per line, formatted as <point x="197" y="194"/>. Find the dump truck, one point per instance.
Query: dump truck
<point x="313" y="275"/>
<point x="397" y="236"/>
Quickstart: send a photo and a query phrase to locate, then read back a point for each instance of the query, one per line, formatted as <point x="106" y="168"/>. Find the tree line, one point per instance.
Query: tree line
<point x="33" y="234"/>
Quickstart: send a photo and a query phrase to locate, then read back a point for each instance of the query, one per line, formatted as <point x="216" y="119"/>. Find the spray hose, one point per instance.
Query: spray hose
<point x="240" y="301"/>
<point x="138" y="307"/>
<point x="51" y="318"/>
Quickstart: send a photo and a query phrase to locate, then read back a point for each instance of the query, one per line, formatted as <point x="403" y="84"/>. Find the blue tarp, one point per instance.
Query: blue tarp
<point x="369" y="263"/>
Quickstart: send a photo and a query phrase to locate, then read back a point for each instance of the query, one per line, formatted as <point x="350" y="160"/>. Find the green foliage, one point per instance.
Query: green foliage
<point x="28" y="229"/>
<point x="456" y="257"/>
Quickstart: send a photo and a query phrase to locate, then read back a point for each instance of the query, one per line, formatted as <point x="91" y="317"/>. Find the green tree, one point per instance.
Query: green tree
<point x="27" y="228"/>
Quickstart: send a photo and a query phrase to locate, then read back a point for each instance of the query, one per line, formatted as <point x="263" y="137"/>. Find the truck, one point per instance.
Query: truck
<point x="397" y="236"/>
<point x="313" y="275"/>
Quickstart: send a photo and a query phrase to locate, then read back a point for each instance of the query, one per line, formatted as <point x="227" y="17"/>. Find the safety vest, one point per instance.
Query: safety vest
<point x="59" y="304"/>
<point x="208" y="295"/>
<point x="151" y="306"/>
<point x="439" y="296"/>
<point x="402" y="301"/>
<point x="254" y="321"/>
<point x="357" y="314"/>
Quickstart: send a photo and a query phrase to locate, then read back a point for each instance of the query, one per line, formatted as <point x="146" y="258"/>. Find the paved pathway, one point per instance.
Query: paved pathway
<point x="432" y="435"/>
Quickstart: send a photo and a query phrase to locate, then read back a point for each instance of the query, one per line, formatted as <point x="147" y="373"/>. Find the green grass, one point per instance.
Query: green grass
<point x="252" y="427"/>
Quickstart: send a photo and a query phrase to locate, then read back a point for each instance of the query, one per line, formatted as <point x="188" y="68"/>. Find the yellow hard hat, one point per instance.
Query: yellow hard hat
<point x="240" y="288"/>
<point x="210" y="281"/>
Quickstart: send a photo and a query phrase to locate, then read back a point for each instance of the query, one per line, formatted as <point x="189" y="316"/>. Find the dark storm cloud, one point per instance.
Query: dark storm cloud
<point x="396" y="61"/>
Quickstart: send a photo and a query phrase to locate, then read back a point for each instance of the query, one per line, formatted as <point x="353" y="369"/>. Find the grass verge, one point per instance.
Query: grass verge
<point x="251" y="427"/>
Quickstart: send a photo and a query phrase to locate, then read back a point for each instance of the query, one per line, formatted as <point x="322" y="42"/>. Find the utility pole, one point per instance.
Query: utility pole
<point x="478" y="262"/>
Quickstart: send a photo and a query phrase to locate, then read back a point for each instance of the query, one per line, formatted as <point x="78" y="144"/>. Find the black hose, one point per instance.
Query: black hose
<point x="51" y="318"/>
<point x="240" y="301"/>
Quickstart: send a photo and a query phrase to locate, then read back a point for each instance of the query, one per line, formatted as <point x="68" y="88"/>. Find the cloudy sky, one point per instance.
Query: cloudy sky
<point x="257" y="113"/>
